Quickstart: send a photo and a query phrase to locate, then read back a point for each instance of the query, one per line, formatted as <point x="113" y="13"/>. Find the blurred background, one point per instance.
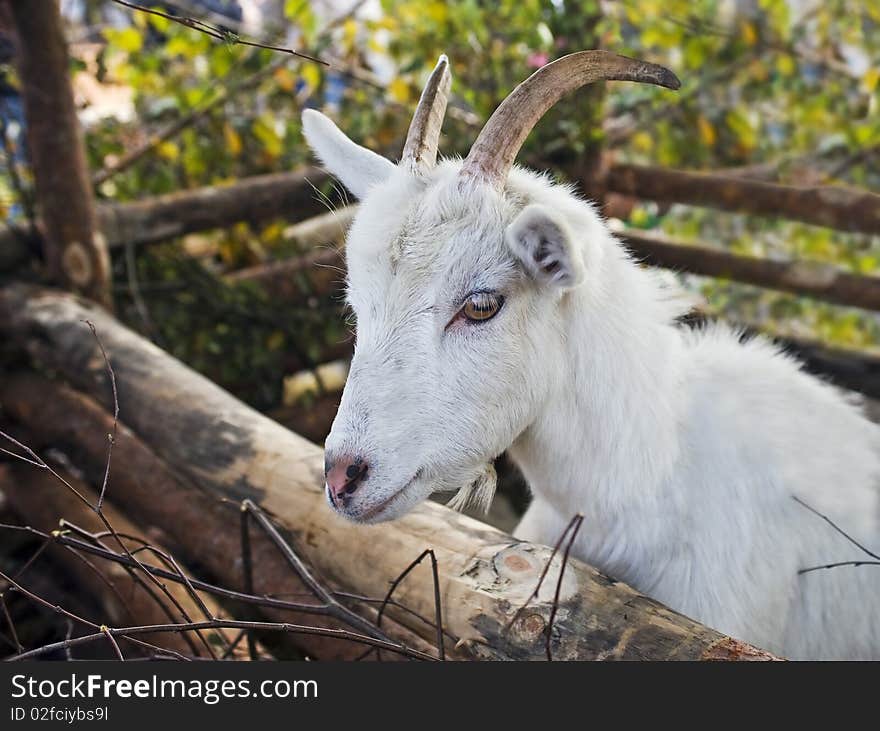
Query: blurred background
<point x="774" y="91"/>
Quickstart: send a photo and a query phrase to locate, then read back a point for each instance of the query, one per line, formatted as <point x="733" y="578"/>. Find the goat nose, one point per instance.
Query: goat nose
<point x="344" y="475"/>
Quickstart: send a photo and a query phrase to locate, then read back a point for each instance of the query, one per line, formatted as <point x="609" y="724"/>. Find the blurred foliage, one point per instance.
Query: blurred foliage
<point x="792" y="87"/>
<point x="233" y="333"/>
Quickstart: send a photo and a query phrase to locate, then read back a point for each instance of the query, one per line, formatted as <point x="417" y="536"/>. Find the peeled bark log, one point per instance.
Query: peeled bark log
<point x="200" y="526"/>
<point x="231" y="451"/>
<point x="845" y="209"/>
<point x="76" y="250"/>
<point x="42" y="500"/>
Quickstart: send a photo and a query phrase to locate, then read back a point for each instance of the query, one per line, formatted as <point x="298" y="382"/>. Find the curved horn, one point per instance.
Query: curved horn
<point x="497" y="145"/>
<point x="420" y="150"/>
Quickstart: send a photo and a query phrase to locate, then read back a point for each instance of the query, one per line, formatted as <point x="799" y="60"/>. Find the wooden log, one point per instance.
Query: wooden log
<point x="201" y="527"/>
<point x="808" y="278"/>
<point x="41" y="500"/>
<point x="845" y="209"/>
<point x="255" y="199"/>
<point x="75" y="249"/>
<point x="231" y="451"/>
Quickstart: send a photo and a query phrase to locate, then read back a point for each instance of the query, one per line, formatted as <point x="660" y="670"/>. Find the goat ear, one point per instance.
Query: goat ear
<point x="358" y="168"/>
<point x="546" y="247"/>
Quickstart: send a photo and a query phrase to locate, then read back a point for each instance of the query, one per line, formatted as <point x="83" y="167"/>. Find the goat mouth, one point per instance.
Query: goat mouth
<point x="369" y="515"/>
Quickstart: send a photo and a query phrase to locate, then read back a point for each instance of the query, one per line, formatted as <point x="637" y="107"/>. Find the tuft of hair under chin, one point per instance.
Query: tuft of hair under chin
<point x="478" y="493"/>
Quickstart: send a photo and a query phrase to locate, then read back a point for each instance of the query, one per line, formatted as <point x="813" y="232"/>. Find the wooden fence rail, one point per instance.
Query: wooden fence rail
<point x="292" y="196"/>
<point x="845" y="209"/>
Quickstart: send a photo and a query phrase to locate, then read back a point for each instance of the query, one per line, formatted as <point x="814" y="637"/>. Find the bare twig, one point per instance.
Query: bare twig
<point x="838" y="564"/>
<point x="10" y="622"/>
<point x="37" y="461"/>
<point x="234" y="644"/>
<point x="112" y="641"/>
<point x="575" y="525"/>
<point x="112" y="436"/>
<point x="847" y="536"/>
<point x="332" y="605"/>
<point x="266" y="601"/>
<point x="178" y="574"/>
<point x="576" y="520"/>
<point x="836" y="527"/>
<point x="247" y="571"/>
<point x="129" y="634"/>
<point x="438" y="611"/>
<point x="74" y="617"/>
<point x="123" y="559"/>
<point x="216" y="32"/>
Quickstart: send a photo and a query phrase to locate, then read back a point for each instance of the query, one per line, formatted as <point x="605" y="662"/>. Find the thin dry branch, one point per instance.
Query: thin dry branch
<point x="438" y="608"/>
<point x="130" y="633"/>
<point x="75" y="422"/>
<point x="218" y="33"/>
<point x="99" y="549"/>
<point x="332" y="606"/>
<point x="111" y="437"/>
<point x="864" y="549"/>
<point x="63" y="538"/>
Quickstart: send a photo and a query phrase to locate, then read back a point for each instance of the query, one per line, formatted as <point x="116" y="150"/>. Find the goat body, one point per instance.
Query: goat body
<point x="685" y="451"/>
<point x="508" y="317"/>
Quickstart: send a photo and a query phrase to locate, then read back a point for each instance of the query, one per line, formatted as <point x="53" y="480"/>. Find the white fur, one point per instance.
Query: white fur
<point x="364" y="168"/>
<point x="683" y="449"/>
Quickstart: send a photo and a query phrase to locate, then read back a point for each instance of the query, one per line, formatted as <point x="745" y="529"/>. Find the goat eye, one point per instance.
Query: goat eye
<point x="482" y="306"/>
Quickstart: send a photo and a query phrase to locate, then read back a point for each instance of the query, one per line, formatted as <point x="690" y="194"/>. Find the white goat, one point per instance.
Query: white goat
<point x="495" y="311"/>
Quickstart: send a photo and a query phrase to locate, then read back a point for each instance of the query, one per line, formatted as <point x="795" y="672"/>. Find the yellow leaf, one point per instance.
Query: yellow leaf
<point x="758" y="70"/>
<point x="749" y="34"/>
<point x="639" y="217"/>
<point x="273" y="232"/>
<point x="160" y="23"/>
<point x="785" y="65"/>
<point x="285" y="79"/>
<point x="266" y="131"/>
<point x="399" y="90"/>
<point x="870" y="79"/>
<point x="233" y="140"/>
<point x="386" y="23"/>
<point x="437" y="12"/>
<point x="707" y="131"/>
<point x="168" y="150"/>
<point x="127" y="39"/>
<point x="275" y="340"/>
<point x="349" y="31"/>
<point x="643" y="141"/>
<point x="311" y="76"/>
